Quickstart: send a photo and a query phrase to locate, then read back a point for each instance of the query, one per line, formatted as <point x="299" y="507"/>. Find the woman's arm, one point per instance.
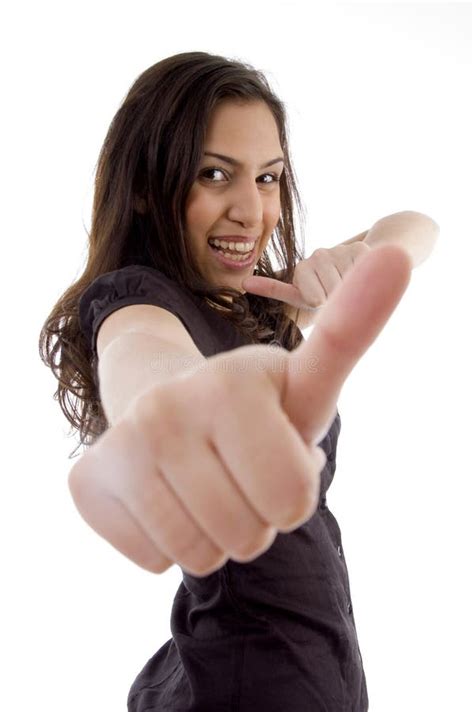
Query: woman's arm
<point x="140" y="346"/>
<point x="415" y="232"/>
<point x="357" y="238"/>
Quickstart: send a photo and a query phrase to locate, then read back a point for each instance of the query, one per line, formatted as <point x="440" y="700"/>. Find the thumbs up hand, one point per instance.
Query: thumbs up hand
<point x="212" y="464"/>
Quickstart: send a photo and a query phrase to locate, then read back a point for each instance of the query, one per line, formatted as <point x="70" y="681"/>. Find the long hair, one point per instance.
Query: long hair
<point x="151" y="156"/>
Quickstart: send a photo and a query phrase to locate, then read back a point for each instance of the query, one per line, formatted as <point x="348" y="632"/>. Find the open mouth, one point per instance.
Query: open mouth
<point x="233" y="258"/>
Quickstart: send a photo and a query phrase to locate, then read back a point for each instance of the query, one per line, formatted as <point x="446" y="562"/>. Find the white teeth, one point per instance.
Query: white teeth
<point x="236" y="246"/>
<point x="235" y="258"/>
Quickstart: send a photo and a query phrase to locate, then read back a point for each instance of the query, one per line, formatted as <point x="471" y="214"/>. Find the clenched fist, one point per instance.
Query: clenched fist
<point x="213" y="464"/>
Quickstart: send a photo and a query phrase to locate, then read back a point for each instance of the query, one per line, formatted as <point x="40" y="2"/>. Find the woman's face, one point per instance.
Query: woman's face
<point x="240" y="200"/>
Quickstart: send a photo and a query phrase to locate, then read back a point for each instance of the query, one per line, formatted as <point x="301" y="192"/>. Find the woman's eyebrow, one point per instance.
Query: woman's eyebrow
<point x="234" y="162"/>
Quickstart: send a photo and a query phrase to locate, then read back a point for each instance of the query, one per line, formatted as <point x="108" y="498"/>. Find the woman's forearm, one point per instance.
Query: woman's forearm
<point x="415" y="232"/>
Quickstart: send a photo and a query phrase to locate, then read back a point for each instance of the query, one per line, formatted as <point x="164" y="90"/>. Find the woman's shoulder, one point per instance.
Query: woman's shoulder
<point x="141" y="284"/>
<point x="134" y="281"/>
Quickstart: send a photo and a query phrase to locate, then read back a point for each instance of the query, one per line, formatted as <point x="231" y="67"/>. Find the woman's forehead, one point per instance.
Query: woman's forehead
<point x="243" y="131"/>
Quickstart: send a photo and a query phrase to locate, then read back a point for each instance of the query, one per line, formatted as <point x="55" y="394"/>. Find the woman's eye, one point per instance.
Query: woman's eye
<point x="271" y="175"/>
<point x="219" y="170"/>
<point x="211" y="170"/>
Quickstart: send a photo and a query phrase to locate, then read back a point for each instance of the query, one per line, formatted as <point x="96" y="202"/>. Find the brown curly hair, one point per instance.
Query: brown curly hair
<point x="151" y="154"/>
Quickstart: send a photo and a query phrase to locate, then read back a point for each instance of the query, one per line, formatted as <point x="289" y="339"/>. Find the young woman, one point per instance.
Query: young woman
<point x="211" y="424"/>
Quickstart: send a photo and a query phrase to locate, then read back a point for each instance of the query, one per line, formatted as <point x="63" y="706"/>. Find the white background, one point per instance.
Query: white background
<point x="380" y="103"/>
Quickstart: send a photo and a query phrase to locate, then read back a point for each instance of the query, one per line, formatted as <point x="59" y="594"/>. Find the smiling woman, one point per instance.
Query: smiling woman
<point x="168" y="201"/>
<point x="240" y="208"/>
<point x="194" y="194"/>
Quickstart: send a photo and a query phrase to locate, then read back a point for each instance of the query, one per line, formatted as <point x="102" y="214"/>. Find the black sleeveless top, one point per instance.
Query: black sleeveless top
<point x="276" y="634"/>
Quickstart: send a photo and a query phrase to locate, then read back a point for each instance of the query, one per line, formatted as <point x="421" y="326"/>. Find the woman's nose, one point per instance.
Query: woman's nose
<point x="246" y="204"/>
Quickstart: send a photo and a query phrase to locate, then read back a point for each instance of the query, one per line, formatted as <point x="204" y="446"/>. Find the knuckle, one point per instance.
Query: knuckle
<point x="158" y="565"/>
<point x="301" y="509"/>
<point x="216" y="382"/>
<point x="199" y="555"/>
<point x="313" y="301"/>
<point x="319" y="455"/>
<point x="251" y="548"/>
<point x="360" y="247"/>
<point x="145" y="412"/>
<point x="184" y="546"/>
<point x="155" y="412"/>
<point x="206" y="566"/>
<point x="313" y="298"/>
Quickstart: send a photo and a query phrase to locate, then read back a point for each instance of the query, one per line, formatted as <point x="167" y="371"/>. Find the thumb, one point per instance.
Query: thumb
<point x="354" y="314"/>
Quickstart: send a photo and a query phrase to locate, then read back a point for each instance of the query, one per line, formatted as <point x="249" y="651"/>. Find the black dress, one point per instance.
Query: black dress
<point x="276" y="634"/>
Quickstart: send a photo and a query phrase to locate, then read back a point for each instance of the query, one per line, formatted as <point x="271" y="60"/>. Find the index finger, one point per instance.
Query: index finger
<point x="274" y="289"/>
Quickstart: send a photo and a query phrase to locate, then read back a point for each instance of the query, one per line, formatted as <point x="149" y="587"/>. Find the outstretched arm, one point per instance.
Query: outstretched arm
<point x="414" y="232"/>
<point x="317" y="276"/>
